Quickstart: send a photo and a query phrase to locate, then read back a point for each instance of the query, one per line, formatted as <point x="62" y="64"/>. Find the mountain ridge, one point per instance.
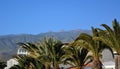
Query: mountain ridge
<point x="9" y="47"/>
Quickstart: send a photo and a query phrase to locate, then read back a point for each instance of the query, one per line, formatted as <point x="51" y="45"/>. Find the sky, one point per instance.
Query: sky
<point x="40" y="16"/>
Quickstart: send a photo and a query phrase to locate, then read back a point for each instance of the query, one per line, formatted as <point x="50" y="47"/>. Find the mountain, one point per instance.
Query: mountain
<point x="8" y="46"/>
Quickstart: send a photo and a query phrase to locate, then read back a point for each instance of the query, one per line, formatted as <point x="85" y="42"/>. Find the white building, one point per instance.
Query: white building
<point x="11" y="63"/>
<point x="22" y="51"/>
<point x="109" y="65"/>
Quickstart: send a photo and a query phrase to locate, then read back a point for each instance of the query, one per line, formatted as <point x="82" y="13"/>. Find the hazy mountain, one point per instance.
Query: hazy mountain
<point x="9" y="47"/>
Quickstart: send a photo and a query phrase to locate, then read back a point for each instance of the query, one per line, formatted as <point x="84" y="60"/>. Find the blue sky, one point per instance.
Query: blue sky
<point x="39" y="16"/>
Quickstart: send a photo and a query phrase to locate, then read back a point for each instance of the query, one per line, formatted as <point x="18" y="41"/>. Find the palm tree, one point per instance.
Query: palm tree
<point x="76" y="56"/>
<point x="48" y="51"/>
<point x="57" y="53"/>
<point x="37" y="52"/>
<point x="111" y="37"/>
<point x="52" y="48"/>
<point x="2" y="64"/>
<point x="95" y="46"/>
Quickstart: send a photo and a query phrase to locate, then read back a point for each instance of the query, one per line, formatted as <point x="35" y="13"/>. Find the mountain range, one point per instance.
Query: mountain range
<point x="8" y="46"/>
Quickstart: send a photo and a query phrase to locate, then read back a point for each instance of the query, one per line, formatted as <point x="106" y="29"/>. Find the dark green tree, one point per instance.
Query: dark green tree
<point x="94" y="46"/>
<point x="52" y="48"/>
<point x="111" y="37"/>
<point x="2" y="64"/>
<point x="49" y="51"/>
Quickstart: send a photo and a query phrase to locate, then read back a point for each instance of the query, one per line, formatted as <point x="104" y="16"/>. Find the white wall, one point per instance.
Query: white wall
<point x="11" y="63"/>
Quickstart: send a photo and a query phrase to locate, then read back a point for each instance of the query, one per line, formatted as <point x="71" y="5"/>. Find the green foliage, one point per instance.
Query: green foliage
<point x="48" y="52"/>
<point x="76" y="56"/>
<point x="2" y="65"/>
<point x="95" y="46"/>
<point x="26" y="62"/>
<point x="111" y="37"/>
<point x="52" y="49"/>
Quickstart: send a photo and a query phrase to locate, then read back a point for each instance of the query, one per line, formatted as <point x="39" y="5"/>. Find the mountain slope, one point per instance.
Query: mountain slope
<point x="9" y="47"/>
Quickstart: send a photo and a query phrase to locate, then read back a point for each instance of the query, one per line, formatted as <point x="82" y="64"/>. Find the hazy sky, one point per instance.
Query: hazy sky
<point x="39" y="16"/>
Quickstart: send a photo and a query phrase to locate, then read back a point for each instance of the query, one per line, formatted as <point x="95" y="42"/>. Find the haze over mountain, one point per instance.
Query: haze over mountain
<point x="8" y="46"/>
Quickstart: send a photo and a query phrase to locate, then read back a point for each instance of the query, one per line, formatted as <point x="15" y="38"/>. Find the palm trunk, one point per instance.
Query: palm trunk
<point x="47" y="66"/>
<point x="117" y="62"/>
<point x="79" y="67"/>
<point x="97" y="64"/>
<point x="56" y="66"/>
